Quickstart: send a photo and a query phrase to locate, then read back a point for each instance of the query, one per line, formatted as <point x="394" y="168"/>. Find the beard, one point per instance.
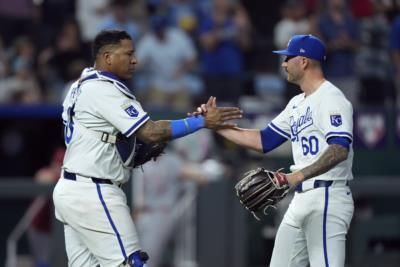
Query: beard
<point x="292" y="78"/>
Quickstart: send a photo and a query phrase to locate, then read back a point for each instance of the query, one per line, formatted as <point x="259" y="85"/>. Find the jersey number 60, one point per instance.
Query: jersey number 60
<point x="309" y="145"/>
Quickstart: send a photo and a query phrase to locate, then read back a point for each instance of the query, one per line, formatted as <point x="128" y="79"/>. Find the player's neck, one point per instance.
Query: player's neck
<point x="309" y="86"/>
<point x="100" y="67"/>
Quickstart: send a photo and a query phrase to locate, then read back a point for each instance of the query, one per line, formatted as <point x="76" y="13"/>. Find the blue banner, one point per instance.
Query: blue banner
<point x="30" y="111"/>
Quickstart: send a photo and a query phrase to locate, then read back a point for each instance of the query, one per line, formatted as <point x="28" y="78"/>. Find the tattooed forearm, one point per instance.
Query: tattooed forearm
<point x="155" y="131"/>
<point x="331" y="157"/>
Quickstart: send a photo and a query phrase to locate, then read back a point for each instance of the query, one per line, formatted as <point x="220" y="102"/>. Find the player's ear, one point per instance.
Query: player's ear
<point x="304" y="62"/>
<point x="107" y="57"/>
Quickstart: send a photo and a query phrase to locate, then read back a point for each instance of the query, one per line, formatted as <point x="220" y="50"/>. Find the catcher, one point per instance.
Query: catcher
<point x="88" y="199"/>
<point x="319" y="124"/>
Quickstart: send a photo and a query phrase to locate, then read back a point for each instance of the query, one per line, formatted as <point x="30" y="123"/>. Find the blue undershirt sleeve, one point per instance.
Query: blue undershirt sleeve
<point x="270" y="139"/>
<point x="342" y="141"/>
<point x="186" y="126"/>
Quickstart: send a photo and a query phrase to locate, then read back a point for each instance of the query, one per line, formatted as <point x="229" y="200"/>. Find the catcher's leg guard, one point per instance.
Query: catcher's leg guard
<point x="137" y="259"/>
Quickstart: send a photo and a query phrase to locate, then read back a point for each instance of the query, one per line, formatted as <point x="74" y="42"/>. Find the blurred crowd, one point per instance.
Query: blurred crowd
<point x="190" y="49"/>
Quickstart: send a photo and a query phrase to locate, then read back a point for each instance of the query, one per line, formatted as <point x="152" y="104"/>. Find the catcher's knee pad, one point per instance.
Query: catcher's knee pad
<point x="137" y="259"/>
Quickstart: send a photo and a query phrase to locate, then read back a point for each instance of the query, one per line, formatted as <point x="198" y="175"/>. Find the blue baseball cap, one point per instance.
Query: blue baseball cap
<point x="305" y="45"/>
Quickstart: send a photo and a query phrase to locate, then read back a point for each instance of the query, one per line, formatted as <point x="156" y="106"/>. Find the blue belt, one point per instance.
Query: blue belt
<point x="72" y="176"/>
<point x="319" y="183"/>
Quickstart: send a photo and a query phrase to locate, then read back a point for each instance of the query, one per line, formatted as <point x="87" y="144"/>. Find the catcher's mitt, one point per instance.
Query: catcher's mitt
<point x="261" y="189"/>
<point x="146" y="152"/>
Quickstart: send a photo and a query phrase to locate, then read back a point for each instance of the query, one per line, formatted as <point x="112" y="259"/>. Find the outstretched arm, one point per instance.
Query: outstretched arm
<point x="259" y="140"/>
<point x="163" y="130"/>
<point x="248" y="138"/>
<point x="155" y="131"/>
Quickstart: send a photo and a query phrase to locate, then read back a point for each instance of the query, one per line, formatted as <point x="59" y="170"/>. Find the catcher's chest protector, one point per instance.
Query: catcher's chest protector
<point x="126" y="149"/>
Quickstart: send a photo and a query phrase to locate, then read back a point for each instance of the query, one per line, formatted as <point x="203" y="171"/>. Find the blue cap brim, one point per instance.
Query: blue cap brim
<point x="283" y="52"/>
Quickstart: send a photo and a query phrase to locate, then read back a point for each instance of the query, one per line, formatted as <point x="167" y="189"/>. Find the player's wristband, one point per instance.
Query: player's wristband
<point x="186" y="126"/>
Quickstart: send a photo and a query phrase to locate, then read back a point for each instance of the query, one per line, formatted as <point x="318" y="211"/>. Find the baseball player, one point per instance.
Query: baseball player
<point x="319" y="124"/>
<point x="102" y="120"/>
<point x="161" y="193"/>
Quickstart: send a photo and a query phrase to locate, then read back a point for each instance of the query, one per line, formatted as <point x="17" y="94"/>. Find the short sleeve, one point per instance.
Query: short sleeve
<point x="124" y="113"/>
<point x="335" y="118"/>
<point x="280" y="124"/>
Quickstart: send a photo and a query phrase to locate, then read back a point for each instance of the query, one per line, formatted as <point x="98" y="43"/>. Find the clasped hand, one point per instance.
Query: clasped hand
<point x="217" y="117"/>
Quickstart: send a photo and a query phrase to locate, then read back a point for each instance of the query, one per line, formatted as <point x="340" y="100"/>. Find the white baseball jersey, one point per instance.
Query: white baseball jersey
<point x="103" y="104"/>
<point x="97" y="220"/>
<point x="310" y="121"/>
<point x="313" y="230"/>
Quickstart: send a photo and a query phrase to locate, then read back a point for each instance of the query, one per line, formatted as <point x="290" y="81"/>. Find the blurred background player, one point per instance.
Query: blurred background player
<point x="40" y="230"/>
<point x="165" y="194"/>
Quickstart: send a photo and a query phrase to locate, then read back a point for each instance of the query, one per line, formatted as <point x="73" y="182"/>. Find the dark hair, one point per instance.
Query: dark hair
<point x="108" y="37"/>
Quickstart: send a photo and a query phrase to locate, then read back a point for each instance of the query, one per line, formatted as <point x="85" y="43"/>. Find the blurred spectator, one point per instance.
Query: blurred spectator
<point x="22" y="86"/>
<point x="56" y="61"/>
<point x="395" y="51"/>
<point x="312" y="6"/>
<point x="203" y="6"/>
<point x="74" y="71"/>
<point x="53" y="14"/>
<point x="120" y="18"/>
<point x="15" y="19"/>
<point x="294" y="21"/>
<point x="373" y="64"/>
<point x="224" y="35"/>
<point x="182" y="14"/>
<point x="156" y="6"/>
<point x="4" y="64"/>
<point x="88" y="14"/>
<point x="339" y="30"/>
<point x="362" y="8"/>
<point x="269" y="86"/>
<point x="139" y="14"/>
<point x="39" y="233"/>
<point x="167" y="56"/>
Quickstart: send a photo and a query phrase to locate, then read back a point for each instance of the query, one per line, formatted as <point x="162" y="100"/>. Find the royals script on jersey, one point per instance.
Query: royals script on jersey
<point x="308" y="122"/>
<point x="102" y="103"/>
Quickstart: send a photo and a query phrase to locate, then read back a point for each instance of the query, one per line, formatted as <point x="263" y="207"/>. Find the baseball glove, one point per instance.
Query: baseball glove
<point x="146" y="152"/>
<point x="260" y="189"/>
